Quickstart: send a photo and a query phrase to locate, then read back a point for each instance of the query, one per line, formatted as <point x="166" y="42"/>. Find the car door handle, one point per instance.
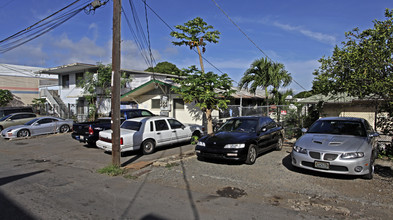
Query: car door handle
<point x="174" y="131"/>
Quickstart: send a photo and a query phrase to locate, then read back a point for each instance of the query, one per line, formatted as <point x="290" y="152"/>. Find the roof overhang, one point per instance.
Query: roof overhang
<point x="75" y="67"/>
<point x="134" y="94"/>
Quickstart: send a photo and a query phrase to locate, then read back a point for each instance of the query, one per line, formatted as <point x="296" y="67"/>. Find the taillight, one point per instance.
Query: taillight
<point x="121" y="141"/>
<point x="91" y="130"/>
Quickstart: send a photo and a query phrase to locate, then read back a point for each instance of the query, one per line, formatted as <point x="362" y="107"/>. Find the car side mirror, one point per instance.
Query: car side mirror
<point x="183" y="126"/>
<point x="304" y="130"/>
<point x="9" y="119"/>
<point x="263" y="129"/>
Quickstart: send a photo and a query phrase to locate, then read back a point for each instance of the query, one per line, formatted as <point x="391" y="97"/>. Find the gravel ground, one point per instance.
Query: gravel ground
<point x="273" y="181"/>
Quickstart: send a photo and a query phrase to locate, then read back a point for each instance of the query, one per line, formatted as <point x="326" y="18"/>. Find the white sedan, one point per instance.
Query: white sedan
<point x="147" y="133"/>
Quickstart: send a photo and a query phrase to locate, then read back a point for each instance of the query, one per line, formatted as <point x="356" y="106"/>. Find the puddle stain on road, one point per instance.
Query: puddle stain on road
<point x="231" y="192"/>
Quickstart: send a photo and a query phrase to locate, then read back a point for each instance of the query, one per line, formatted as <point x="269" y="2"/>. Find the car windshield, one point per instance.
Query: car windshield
<point x="338" y="127"/>
<point x="240" y="125"/>
<point x="5" y="117"/>
<point x="32" y="121"/>
<point x="131" y="125"/>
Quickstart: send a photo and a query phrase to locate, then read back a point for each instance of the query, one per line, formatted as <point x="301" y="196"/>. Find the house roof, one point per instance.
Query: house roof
<point x="339" y="98"/>
<point x="74" y="67"/>
<point x="80" y="67"/>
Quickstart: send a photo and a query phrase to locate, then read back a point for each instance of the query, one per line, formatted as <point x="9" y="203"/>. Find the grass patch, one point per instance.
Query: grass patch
<point x="112" y="170"/>
<point x="131" y="177"/>
<point x="170" y="165"/>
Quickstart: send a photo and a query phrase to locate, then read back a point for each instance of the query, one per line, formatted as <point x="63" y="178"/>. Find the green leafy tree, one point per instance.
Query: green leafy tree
<point x="363" y="66"/>
<point x="263" y="74"/>
<point x="5" y="97"/>
<point x="97" y="86"/>
<point x="195" y="33"/>
<point x="165" y="67"/>
<point x="208" y="90"/>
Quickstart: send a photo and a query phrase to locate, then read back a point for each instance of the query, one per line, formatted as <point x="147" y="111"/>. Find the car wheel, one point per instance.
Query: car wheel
<point x="251" y="155"/>
<point x="370" y="173"/>
<point x="279" y="144"/>
<point x="64" y="129"/>
<point x="148" y="146"/>
<point x="23" y="133"/>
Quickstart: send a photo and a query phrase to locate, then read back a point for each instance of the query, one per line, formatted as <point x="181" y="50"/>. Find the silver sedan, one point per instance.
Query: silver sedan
<point x="38" y="126"/>
<point x="339" y="145"/>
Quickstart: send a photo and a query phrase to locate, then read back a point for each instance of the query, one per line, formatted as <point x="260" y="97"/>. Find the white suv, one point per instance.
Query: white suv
<point x="147" y="133"/>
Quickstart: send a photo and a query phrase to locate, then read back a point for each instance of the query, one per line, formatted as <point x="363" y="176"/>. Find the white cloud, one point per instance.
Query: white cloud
<point x="325" y="38"/>
<point x="27" y="54"/>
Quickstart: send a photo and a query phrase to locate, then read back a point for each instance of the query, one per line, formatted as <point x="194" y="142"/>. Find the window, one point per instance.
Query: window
<point x="175" y="124"/>
<point x="131" y="125"/>
<point x="146" y="113"/>
<point x="179" y="103"/>
<point x="45" y="121"/>
<point x="155" y="103"/>
<point x="78" y="79"/>
<point x="65" y="81"/>
<point x="161" y="125"/>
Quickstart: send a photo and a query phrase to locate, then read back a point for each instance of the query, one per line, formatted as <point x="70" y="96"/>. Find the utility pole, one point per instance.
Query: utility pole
<point x="115" y="100"/>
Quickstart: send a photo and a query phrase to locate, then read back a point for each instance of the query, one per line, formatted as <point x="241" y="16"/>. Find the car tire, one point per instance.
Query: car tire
<point x="280" y="143"/>
<point x="23" y="133"/>
<point x="148" y="147"/>
<point x="251" y="155"/>
<point x="64" y="129"/>
<point x="370" y="173"/>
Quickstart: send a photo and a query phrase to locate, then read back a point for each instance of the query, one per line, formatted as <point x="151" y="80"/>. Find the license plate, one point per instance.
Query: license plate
<point x="321" y="165"/>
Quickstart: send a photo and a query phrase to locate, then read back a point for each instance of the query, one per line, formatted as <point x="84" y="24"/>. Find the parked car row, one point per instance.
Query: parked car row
<point x="339" y="145"/>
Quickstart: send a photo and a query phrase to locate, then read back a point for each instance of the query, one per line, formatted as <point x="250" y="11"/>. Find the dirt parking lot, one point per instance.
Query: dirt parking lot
<point x="273" y="181"/>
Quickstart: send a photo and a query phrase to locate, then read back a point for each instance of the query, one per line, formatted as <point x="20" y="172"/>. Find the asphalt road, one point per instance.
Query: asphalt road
<point x="55" y="177"/>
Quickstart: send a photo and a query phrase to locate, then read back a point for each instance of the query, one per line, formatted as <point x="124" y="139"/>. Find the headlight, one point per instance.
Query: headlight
<point x="299" y="149"/>
<point x="235" y="146"/>
<point x="200" y="143"/>
<point x="352" y="155"/>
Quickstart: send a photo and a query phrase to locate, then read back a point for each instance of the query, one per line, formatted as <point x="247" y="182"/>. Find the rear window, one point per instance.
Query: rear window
<point x="131" y="125"/>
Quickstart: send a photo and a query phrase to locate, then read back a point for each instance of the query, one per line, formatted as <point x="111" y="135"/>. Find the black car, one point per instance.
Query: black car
<point x="241" y="139"/>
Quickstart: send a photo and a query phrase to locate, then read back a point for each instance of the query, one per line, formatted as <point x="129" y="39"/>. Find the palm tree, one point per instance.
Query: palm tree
<point x="264" y="73"/>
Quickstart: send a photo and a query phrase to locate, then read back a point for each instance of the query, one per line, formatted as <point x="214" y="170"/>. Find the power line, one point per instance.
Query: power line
<point x="47" y="24"/>
<point x="158" y="16"/>
<point x="218" y="6"/>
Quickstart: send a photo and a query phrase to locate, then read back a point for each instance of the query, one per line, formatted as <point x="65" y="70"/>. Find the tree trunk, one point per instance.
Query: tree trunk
<point x="200" y="60"/>
<point x="209" y="121"/>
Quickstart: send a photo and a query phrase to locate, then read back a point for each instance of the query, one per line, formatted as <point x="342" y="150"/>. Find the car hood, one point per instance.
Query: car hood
<point x="123" y="132"/>
<point x="223" y="138"/>
<point x="329" y="142"/>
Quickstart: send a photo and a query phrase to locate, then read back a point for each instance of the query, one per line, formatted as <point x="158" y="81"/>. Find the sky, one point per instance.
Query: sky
<point x="296" y="33"/>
